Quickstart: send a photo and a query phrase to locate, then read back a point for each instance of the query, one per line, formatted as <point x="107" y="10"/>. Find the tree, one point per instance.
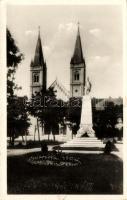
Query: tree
<point x="14" y="57"/>
<point x="105" y="119"/>
<point x="17" y="118"/>
<point x="17" y="115"/>
<point x="47" y="109"/>
<point x="74" y="113"/>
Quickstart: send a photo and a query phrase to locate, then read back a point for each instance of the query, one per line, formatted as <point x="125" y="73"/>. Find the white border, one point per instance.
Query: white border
<point x="3" y="157"/>
<point x="125" y="95"/>
<point x="65" y="2"/>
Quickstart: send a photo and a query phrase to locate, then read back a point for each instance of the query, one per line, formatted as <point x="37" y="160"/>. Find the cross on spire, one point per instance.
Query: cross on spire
<point x="39" y="30"/>
<point x="78" y="27"/>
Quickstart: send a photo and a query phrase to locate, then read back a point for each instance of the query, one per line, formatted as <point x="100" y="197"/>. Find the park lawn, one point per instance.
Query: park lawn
<point x="98" y="174"/>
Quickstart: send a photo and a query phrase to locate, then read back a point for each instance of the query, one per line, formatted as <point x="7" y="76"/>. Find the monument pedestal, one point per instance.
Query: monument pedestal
<point x="86" y="118"/>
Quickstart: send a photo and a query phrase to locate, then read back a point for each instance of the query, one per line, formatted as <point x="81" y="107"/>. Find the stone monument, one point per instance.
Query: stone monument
<point x="86" y="114"/>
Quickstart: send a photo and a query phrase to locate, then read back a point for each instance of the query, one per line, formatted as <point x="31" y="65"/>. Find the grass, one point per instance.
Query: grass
<point x="98" y="174"/>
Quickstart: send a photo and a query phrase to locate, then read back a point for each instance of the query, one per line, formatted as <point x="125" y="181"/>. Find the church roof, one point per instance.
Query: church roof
<point x="57" y="85"/>
<point x="78" y="53"/>
<point x="38" y="57"/>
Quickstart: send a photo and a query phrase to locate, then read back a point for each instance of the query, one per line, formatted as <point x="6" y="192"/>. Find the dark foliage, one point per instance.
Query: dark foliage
<point x="48" y="109"/>
<point x="17" y="116"/>
<point x="109" y="147"/>
<point x="14" y="57"/>
<point x="74" y="113"/>
<point x="104" y="120"/>
<point x="44" y="148"/>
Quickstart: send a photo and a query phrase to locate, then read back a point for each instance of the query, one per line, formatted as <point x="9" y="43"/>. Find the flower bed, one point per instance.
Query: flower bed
<point x="51" y="159"/>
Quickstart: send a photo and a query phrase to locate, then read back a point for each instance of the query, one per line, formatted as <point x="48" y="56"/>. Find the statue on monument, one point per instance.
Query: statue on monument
<point x="86" y="113"/>
<point x="88" y="86"/>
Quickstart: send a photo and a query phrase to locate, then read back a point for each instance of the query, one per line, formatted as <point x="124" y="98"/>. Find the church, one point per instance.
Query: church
<point x="38" y="72"/>
<point x="78" y="79"/>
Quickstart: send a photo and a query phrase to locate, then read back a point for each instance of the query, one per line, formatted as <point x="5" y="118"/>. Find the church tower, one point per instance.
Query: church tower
<point x="77" y="69"/>
<point x="38" y="69"/>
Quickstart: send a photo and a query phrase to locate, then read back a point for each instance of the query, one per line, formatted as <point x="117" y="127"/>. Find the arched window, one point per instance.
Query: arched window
<point x="36" y="78"/>
<point x="76" y="76"/>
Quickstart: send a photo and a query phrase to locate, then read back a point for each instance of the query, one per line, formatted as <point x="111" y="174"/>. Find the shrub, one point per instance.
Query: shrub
<point x="44" y="148"/>
<point x="109" y="147"/>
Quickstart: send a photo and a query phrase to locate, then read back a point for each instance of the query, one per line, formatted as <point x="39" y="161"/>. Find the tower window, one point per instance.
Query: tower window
<point x="36" y="78"/>
<point x="76" y="76"/>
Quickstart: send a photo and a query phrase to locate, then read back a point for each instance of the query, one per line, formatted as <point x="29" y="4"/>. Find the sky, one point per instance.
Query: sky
<point x="101" y="37"/>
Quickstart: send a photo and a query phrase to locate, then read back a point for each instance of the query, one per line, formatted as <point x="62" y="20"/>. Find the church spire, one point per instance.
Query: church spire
<point x="38" y="57"/>
<point x="78" y="54"/>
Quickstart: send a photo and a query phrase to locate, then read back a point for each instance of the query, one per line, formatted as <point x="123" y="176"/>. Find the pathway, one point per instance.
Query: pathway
<point x="16" y="152"/>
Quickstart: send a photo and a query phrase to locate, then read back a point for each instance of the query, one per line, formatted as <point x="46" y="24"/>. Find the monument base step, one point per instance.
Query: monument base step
<point x="83" y="143"/>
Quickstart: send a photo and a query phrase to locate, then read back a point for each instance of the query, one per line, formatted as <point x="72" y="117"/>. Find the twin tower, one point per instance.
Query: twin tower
<point x="38" y="69"/>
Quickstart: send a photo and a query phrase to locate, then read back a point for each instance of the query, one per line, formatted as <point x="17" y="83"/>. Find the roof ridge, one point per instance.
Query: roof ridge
<point x="60" y="85"/>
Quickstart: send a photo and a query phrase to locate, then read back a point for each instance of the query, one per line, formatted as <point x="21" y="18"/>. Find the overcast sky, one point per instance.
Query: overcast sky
<point x="101" y="36"/>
